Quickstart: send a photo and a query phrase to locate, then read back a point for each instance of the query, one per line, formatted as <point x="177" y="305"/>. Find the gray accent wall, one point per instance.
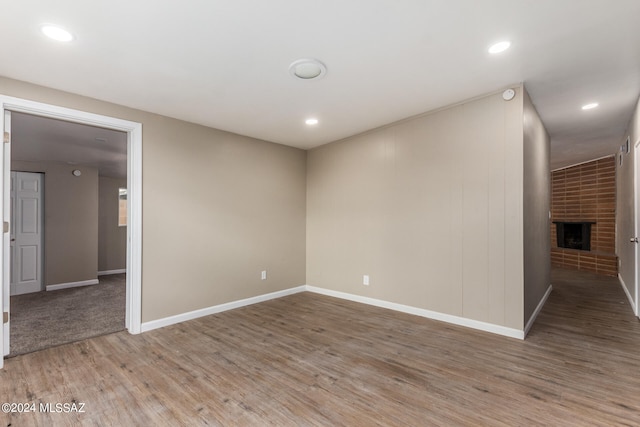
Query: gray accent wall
<point x="537" y="205"/>
<point x="625" y="211"/>
<point x="112" y="239"/>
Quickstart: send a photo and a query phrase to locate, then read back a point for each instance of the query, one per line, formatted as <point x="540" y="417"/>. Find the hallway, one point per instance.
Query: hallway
<point x="585" y="305"/>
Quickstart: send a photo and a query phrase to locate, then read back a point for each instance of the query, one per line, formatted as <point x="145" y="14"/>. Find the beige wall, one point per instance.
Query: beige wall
<point x="217" y="209"/>
<point x="112" y="239"/>
<point x="70" y="221"/>
<point x="430" y="208"/>
<point x="536" y="202"/>
<point x="625" y="208"/>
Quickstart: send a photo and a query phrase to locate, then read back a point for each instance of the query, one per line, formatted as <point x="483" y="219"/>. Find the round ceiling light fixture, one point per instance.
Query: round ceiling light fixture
<point x="311" y="121"/>
<point x="307" y="69"/>
<point x="499" y="47"/>
<point x="56" y="32"/>
<point x="590" y="106"/>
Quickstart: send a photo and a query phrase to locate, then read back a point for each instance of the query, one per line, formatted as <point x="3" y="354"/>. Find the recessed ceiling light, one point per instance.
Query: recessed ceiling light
<point x="307" y="69"/>
<point x="500" y="47"/>
<point x="311" y="122"/>
<point x="590" y="106"/>
<point x="56" y="33"/>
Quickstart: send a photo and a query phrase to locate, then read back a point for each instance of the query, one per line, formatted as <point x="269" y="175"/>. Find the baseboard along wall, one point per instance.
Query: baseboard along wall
<point x="456" y="320"/>
<point x="107" y="272"/>
<point x="541" y="304"/>
<point x="179" y="318"/>
<point x="626" y="291"/>
<point x="434" y="315"/>
<point x="72" y="284"/>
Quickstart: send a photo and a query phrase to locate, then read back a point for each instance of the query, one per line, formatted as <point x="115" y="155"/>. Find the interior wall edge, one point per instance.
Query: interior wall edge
<point x="626" y="208"/>
<point x="538" y="309"/>
<point x="536" y="209"/>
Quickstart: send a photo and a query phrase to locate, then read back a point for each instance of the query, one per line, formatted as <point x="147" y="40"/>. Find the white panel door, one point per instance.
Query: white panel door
<point x="26" y="232"/>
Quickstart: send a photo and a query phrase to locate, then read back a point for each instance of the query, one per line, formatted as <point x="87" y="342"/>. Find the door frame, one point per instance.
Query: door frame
<point x="133" y="316"/>
<point x="636" y="222"/>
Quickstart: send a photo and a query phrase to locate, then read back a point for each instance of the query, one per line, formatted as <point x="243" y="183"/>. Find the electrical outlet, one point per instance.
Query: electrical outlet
<point x="365" y="280"/>
<point x="263" y="276"/>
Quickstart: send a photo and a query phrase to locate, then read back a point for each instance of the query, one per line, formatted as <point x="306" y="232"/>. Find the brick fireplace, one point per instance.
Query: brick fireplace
<point x="583" y="217"/>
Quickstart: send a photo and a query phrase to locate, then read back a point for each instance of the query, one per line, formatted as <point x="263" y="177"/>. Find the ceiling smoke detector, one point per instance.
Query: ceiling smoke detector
<point x="307" y="69"/>
<point x="508" y="94"/>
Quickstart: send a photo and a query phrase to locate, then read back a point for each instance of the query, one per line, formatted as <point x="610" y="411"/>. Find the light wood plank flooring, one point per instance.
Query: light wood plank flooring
<point x="308" y="359"/>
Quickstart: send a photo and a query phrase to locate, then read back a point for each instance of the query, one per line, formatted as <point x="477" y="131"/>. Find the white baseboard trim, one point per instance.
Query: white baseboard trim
<point x="448" y="318"/>
<point x="178" y="318"/>
<point x="626" y="291"/>
<point x="107" y="272"/>
<point x="72" y="284"/>
<point x="537" y="310"/>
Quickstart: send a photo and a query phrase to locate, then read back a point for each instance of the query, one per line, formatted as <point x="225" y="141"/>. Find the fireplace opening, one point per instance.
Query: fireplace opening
<point x="574" y="235"/>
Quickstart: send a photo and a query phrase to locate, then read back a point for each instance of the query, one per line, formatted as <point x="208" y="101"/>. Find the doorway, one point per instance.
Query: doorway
<point x="133" y="131"/>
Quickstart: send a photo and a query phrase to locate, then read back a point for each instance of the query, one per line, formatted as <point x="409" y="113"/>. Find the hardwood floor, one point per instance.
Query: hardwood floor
<point x="309" y="359"/>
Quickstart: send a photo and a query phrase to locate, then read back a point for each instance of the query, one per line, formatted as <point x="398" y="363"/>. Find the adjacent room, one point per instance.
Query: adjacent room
<point x="68" y="232"/>
<point x="356" y="213"/>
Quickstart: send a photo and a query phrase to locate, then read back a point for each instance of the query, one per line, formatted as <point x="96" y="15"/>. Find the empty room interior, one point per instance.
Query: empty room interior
<point x="334" y="213"/>
<point x="70" y="181"/>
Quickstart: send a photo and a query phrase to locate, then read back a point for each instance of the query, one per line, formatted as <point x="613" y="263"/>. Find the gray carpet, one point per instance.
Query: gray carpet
<point x="49" y="318"/>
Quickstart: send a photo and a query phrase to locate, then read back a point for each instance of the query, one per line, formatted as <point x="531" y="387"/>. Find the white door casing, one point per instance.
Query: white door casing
<point x="636" y="215"/>
<point x="133" y="317"/>
<point x="26" y="232"/>
<point x="5" y="209"/>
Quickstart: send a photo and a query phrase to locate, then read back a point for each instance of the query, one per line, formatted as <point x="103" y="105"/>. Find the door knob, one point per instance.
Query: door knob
<point x="633" y="240"/>
<point x="13" y="240"/>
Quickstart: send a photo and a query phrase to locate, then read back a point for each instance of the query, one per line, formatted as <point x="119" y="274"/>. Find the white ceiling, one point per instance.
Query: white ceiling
<point x="38" y="139"/>
<point x="224" y="64"/>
